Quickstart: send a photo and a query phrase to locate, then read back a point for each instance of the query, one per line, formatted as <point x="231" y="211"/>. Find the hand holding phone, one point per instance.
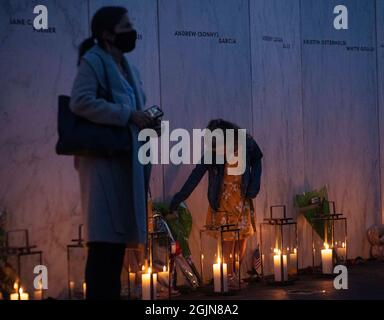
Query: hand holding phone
<point x="154" y="112"/>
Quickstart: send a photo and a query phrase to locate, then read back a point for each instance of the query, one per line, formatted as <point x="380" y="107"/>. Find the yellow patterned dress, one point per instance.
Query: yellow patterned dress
<point x="233" y="209"/>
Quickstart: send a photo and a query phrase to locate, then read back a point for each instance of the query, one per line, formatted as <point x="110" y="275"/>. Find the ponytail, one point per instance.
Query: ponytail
<point x="84" y="47"/>
<point x="105" y="19"/>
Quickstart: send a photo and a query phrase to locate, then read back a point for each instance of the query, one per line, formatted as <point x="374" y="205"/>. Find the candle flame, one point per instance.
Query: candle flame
<point x="277" y="251"/>
<point x="15" y="286"/>
<point x="326" y="245"/>
<point x="202" y="256"/>
<point x="343" y="244"/>
<point x="149" y="270"/>
<point x="21" y="291"/>
<point x="143" y="268"/>
<point x="295" y="250"/>
<point x="164" y="269"/>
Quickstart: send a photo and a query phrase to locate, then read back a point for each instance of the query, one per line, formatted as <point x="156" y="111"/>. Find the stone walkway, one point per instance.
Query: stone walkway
<point x="365" y="281"/>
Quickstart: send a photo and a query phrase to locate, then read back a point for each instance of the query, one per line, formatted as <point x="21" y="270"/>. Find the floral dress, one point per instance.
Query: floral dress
<point x="233" y="209"/>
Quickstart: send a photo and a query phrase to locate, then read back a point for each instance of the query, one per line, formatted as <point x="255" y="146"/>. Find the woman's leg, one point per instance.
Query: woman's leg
<point x="103" y="270"/>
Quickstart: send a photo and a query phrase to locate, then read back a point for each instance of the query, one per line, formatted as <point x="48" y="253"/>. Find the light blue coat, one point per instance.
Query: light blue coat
<point x="113" y="190"/>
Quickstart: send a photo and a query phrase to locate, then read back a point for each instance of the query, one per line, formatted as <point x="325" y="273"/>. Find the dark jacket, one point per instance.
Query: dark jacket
<point x="250" y="181"/>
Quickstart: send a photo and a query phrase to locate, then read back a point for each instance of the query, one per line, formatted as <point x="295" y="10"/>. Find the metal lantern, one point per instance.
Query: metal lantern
<point x="17" y="248"/>
<point x="329" y="240"/>
<point x="160" y="243"/>
<point x="76" y="252"/>
<point x="213" y="263"/>
<point x="131" y="275"/>
<point x="279" y="247"/>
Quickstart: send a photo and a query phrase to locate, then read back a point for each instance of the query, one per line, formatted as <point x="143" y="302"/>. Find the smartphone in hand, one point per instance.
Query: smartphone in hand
<point x="154" y="112"/>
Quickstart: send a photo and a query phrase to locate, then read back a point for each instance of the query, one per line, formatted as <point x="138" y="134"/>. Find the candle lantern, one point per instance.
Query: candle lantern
<point x="279" y="247"/>
<point x="23" y="257"/>
<point x="160" y="269"/>
<point x="329" y="239"/>
<point x="132" y="273"/>
<point x="218" y="261"/>
<point x="76" y="254"/>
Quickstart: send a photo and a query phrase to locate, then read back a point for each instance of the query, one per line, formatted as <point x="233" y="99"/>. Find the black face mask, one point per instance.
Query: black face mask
<point x="126" y="41"/>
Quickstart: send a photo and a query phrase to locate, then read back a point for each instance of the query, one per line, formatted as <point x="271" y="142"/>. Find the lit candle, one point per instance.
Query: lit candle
<point x="237" y="263"/>
<point x="132" y="280"/>
<point x="84" y="290"/>
<point x="326" y="259"/>
<point x="293" y="262"/>
<point x="72" y="288"/>
<point x="164" y="275"/>
<point x="154" y="277"/>
<point x="21" y="294"/>
<point x="146" y="285"/>
<point x="341" y="252"/>
<point x="38" y="294"/>
<point x="217" y="276"/>
<point x="277" y="266"/>
<point x="15" y="296"/>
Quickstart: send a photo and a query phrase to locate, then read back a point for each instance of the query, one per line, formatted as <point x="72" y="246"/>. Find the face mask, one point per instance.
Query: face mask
<point x="126" y="42"/>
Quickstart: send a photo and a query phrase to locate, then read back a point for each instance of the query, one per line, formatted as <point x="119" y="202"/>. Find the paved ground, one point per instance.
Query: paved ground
<point x="365" y="281"/>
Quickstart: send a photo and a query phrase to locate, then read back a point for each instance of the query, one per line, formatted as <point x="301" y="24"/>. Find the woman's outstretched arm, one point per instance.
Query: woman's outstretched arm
<point x="190" y="185"/>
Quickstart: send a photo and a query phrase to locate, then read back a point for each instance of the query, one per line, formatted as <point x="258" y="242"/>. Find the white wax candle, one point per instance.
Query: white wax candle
<point x="38" y="294"/>
<point x="146" y="285"/>
<point x="23" y="295"/>
<point x="277" y="266"/>
<point x="217" y="277"/>
<point x="72" y="288"/>
<point x="20" y="295"/>
<point x="14" y="296"/>
<point x="154" y="277"/>
<point x="237" y="266"/>
<point x="84" y="290"/>
<point x="341" y="252"/>
<point x="132" y="280"/>
<point x="164" y="275"/>
<point x="326" y="259"/>
<point x="293" y="262"/>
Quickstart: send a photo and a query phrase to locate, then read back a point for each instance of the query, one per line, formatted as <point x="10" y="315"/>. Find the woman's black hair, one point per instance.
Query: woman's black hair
<point x="221" y="124"/>
<point x="105" y="19"/>
<point x="224" y="125"/>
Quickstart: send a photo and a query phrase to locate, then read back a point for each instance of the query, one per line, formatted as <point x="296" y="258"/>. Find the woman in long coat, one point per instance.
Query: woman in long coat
<point x="113" y="189"/>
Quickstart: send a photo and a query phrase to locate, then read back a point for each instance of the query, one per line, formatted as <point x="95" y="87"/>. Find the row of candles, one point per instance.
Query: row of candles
<point x="146" y="275"/>
<point x="327" y="257"/>
<point x="283" y="264"/>
<point x="20" y="294"/>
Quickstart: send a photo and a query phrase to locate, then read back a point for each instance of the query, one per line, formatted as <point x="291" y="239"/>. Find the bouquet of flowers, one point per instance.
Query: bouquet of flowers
<point x="310" y="205"/>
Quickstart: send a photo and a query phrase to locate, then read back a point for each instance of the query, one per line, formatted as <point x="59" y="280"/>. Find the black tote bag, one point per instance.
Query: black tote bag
<point x="79" y="136"/>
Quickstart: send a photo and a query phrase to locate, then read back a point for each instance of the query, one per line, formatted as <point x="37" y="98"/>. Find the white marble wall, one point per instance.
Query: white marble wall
<point x="380" y="73"/>
<point x="203" y="79"/>
<point x="277" y="105"/>
<point x="38" y="188"/>
<point x="340" y="114"/>
<point x="313" y="109"/>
